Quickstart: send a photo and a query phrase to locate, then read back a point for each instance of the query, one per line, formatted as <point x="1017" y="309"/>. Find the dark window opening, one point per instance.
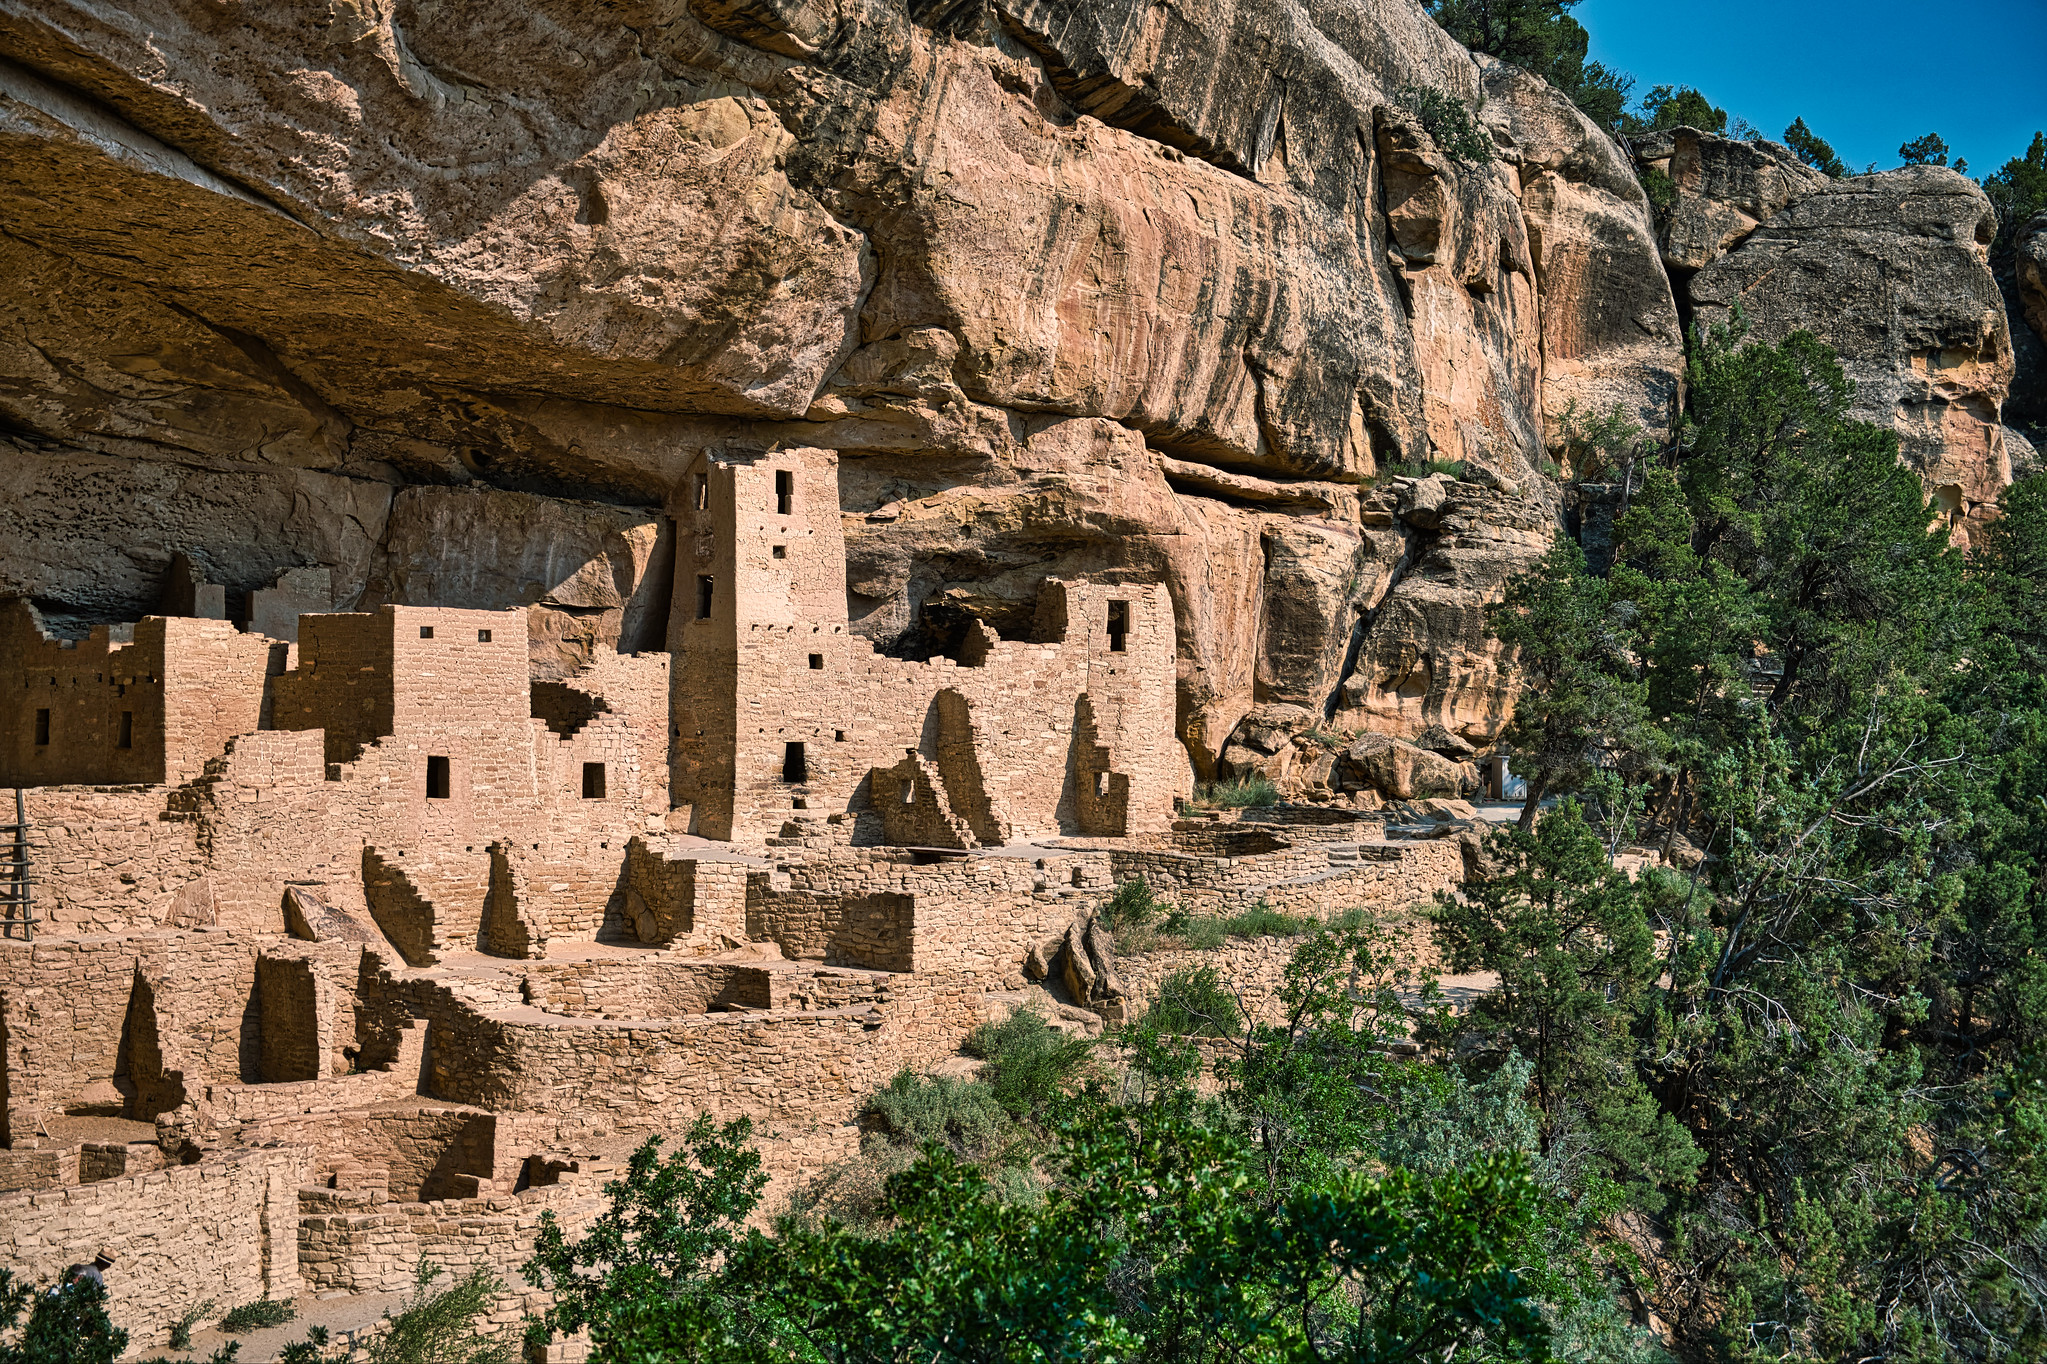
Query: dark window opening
<point x="436" y="778"/>
<point x="817" y="663"/>
<point x="704" y="585"/>
<point x="426" y="632"/>
<point x="781" y="551"/>
<point x="794" y="770"/>
<point x="703" y="494"/>
<point x="593" y="781"/>
<point x="838" y="736"/>
<point x="42" y="727"/>
<point x="785" y="491"/>
<point x="1119" y="625"/>
<point x="127" y="739"/>
<point x="483" y="636"/>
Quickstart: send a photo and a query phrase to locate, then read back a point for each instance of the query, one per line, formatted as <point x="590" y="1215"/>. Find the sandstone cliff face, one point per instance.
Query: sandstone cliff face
<point x="1891" y="270"/>
<point x="441" y="298"/>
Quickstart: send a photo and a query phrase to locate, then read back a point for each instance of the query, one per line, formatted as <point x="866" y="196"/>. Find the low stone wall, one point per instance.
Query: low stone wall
<point x="349" y="1244"/>
<point x="1251" y="968"/>
<point x="225" y="1229"/>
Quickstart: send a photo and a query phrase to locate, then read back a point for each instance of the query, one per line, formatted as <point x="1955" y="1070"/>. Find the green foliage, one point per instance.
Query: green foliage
<point x="66" y="1324"/>
<point x="1678" y="106"/>
<point x="1569" y="939"/>
<point x="1448" y="121"/>
<point x="1582" y="706"/>
<point x="181" y="1329"/>
<point x="1539" y="36"/>
<point x="962" y="1115"/>
<point x="2017" y="190"/>
<point x="1596" y="448"/>
<point x="670" y="1223"/>
<point x="1930" y="150"/>
<point x="439" y="1327"/>
<point x="1195" y="1003"/>
<point x="1131" y="906"/>
<point x="1153" y="1242"/>
<point x="1813" y="149"/>
<point x="1242" y="793"/>
<point x="254" y="1316"/>
<point x="311" y="1350"/>
<point x="1032" y="1067"/>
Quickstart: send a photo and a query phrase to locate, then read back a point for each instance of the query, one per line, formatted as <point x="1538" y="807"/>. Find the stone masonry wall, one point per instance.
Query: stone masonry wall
<point x="225" y="1229"/>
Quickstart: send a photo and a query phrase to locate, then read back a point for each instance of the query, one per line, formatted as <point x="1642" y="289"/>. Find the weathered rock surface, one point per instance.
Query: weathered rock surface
<point x="1892" y="271"/>
<point x="1726" y="188"/>
<point x="440" y="299"/>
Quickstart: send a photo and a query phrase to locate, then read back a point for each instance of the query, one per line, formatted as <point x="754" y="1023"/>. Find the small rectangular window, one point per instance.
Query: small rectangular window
<point x="42" y="727"/>
<point x="780" y="551"/>
<point x="794" y="770"/>
<point x="436" y="778"/>
<point x="785" y="492"/>
<point x="703" y="596"/>
<point x="127" y="738"/>
<point x="909" y="793"/>
<point x="1119" y="625"/>
<point x="426" y="632"/>
<point x="703" y="492"/>
<point x="483" y="636"/>
<point x="1101" y="785"/>
<point x="817" y="663"/>
<point x="593" y="781"/>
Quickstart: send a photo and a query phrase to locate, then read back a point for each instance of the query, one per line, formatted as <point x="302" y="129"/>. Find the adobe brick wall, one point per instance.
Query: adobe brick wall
<point x="185" y="686"/>
<point x="1066" y="732"/>
<point x="226" y="1229"/>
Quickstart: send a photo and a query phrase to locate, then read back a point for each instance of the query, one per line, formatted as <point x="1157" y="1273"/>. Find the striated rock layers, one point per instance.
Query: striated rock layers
<point x="439" y="300"/>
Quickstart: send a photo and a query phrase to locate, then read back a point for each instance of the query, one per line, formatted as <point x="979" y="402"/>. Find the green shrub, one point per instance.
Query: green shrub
<point x="1031" y="1065"/>
<point x="1661" y="189"/>
<point x="1420" y="468"/>
<point x="1242" y="793"/>
<point x="1194" y="1003"/>
<point x="1132" y="906"/>
<point x="440" y="1328"/>
<point x="254" y="1316"/>
<point x="963" y="1115"/>
<point x="1263" y="921"/>
<point x="181" y="1329"/>
<point x="307" y="1351"/>
<point x="1448" y="120"/>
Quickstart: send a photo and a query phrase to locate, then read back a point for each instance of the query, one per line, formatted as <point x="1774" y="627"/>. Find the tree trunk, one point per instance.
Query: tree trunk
<point x="1536" y="786"/>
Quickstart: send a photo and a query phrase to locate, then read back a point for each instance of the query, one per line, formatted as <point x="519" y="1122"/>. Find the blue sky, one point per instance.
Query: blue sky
<point x="1865" y="76"/>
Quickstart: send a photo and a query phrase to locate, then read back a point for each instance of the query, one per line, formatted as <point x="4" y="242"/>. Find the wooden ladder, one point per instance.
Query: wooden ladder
<point x="17" y="902"/>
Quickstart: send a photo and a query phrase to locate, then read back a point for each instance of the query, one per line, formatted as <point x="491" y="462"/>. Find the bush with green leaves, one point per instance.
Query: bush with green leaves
<point x="1195" y="1003"/>
<point x="1449" y="123"/>
<point x="181" y="1329"/>
<point x="1237" y="794"/>
<point x="255" y="1316"/>
<point x="62" y="1324"/>
<point x="439" y="1326"/>
<point x="1032" y="1067"/>
<point x="915" y="1111"/>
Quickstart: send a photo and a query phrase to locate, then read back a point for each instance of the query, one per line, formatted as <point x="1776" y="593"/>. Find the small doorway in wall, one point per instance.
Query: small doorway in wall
<point x="1119" y="625"/>
<point x="437" y="779"/>
<point x="593" y="781"/>
<point x="785" y="492"/>
<point x="795" y="770"/>
<point x="126" y="739"/>
<point x="42" y="728"/>
<point x="705" y="586"/>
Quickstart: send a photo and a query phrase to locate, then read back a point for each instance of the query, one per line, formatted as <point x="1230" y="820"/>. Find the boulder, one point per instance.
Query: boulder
<point x="1402" y="771"/>
<point x="1725" y="188"/>
<point x="1893" y="272"/>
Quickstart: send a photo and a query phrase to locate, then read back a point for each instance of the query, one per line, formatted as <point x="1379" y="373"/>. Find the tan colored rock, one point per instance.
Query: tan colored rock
<point x="1892" y="271"/>
<point x="1725" y="188"/>
<point x="1609" y="325"/>
<point x="1401" y="771"/>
